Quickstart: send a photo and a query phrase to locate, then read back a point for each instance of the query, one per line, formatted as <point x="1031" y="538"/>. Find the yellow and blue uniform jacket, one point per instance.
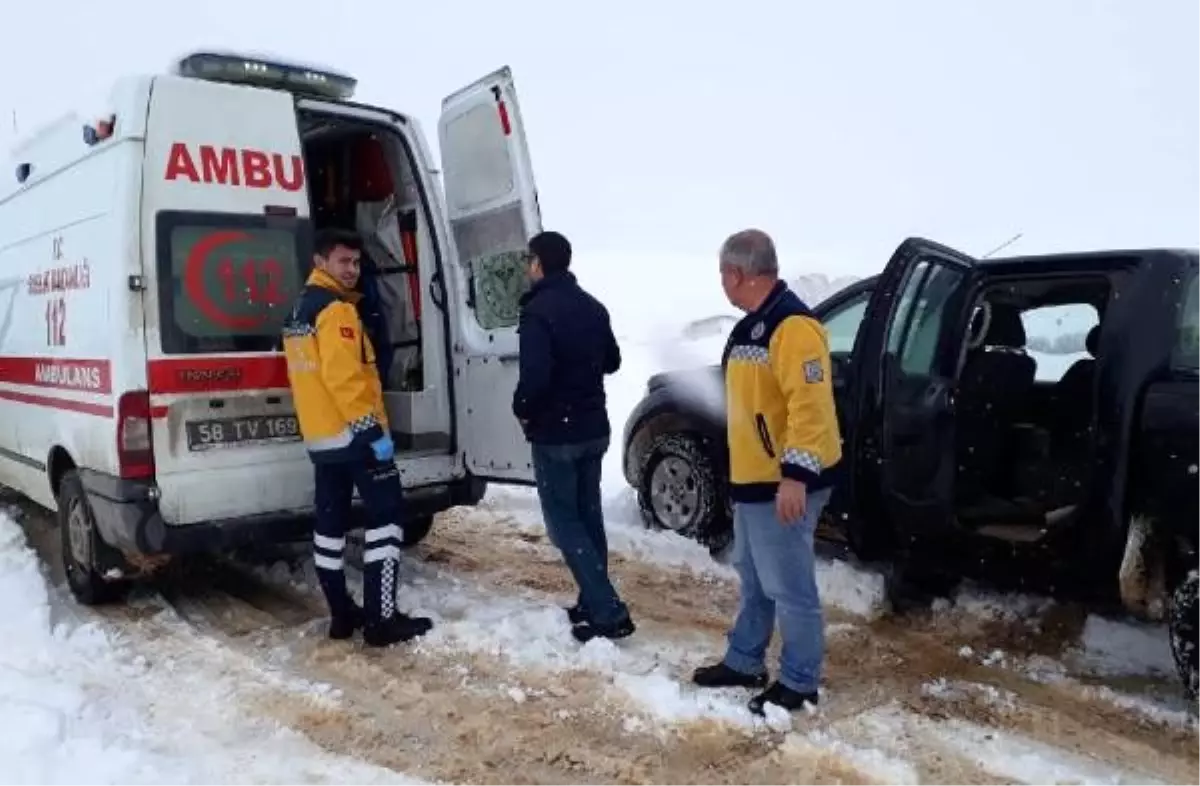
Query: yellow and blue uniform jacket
<point x="781" y="417"/>
<point x="331" y="368"/>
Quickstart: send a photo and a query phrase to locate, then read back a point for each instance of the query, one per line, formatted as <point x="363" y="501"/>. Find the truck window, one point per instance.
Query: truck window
<point x="226" y="282"/>
<point x="842" y="324"/>
<point x="918" y="324"/>
<point x="1055" y="337"/>
<point x="1186" y="353"/>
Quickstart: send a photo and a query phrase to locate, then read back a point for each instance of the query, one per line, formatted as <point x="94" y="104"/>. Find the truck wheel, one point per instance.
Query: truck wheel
<point x="80" y="544"/>
<point x="679" y="489"/>
<point x="868" y="542"/>
<point x="415" y="530"/>
<point x="1182" y="627"/>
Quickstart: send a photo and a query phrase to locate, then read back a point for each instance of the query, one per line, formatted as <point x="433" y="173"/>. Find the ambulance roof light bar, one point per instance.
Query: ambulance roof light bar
<point x="266" y="71"/>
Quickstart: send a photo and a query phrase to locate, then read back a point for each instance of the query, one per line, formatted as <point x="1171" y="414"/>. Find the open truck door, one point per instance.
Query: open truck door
<point x="904" y="439"/>
<point x="493" y="210"/>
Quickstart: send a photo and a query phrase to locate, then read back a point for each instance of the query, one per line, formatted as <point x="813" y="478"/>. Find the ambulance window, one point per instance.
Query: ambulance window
<point x="492" y="246"/>
<point x="226" y="282"/>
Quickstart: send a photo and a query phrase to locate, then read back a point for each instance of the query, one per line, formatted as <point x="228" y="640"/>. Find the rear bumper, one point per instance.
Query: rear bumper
<point x="128" y="518"/>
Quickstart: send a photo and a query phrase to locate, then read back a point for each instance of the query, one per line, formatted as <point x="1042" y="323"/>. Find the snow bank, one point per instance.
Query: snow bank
<point x="891" y="734"/>
<point x="83" y="705"/>
<point x="1120" y="647"/>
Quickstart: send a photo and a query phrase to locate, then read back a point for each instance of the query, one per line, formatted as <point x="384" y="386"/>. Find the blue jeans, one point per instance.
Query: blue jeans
<point x="776" y="565"/>
<point x="568" y="482"/>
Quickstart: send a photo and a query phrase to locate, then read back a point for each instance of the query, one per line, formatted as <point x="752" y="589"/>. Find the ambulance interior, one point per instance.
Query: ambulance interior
<point x="361" y="178"/>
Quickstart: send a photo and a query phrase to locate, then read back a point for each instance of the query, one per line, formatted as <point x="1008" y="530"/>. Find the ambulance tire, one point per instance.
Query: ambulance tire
<point x="415" y="530"/>
<point x="74" y="511"/>
<point x="1181" y="625"/>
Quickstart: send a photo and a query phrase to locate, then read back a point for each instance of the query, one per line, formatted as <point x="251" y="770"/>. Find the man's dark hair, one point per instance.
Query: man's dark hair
<point x="326" y="240"/>
<point x="552" y="250"/>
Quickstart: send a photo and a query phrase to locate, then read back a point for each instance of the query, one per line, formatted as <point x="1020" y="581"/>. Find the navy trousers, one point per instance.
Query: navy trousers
<point x="379" y="487"/>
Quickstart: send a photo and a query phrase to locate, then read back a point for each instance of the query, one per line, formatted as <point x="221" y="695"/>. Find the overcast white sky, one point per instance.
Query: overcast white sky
<point x="662" y="125"/>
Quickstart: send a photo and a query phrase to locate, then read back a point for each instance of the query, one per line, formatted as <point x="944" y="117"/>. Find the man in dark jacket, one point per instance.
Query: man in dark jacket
<point x="567" y="347"/>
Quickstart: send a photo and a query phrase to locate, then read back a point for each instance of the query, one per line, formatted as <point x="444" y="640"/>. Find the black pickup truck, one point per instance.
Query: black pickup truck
<point x="970" y="452"/>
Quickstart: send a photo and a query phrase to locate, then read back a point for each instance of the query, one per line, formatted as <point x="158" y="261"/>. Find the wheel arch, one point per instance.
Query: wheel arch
<point x="665" y="421"/>
<point x="58" y="463"/>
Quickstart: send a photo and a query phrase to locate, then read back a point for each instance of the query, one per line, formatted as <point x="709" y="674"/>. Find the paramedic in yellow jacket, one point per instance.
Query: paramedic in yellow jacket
<point x="784" y="446"/>
<point x="339" y="403"/>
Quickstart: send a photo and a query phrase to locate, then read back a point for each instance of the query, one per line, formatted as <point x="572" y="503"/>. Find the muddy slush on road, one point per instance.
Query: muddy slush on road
<point x="499" y="693"/>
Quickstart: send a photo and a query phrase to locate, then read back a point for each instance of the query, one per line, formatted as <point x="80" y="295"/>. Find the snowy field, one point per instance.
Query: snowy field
<point x="233" y="682"/>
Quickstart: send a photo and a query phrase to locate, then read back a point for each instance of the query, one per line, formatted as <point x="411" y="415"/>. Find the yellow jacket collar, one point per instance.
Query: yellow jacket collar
<point x="319" y="278"/>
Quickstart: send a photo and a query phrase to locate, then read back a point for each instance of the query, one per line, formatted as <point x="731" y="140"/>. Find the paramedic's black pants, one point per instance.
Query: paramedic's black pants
<point x="379" y="487"/>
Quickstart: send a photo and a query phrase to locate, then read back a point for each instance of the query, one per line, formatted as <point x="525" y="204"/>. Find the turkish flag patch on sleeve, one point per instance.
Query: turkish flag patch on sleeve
<point x="347" y="332"/>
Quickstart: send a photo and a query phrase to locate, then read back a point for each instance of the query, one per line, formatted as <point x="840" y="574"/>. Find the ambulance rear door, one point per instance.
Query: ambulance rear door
<point x="493" y="210"/>
<point x="226" y="242"/>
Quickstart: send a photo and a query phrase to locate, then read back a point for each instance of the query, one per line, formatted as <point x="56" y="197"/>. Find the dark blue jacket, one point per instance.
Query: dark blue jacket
<point x="567" y="347"/>
<point x="370" y="311"/>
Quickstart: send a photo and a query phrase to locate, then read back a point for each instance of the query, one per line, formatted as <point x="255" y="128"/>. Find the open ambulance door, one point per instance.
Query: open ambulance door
<point x="493" y="210"/>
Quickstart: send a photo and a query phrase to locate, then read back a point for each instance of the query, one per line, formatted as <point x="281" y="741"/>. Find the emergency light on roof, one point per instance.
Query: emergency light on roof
<point x="267" y="72"/>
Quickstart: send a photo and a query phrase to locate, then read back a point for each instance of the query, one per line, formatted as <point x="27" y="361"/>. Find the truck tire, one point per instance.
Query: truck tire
<point x="80" y="545"/>
<point x="416" y="529"/>
<point x="1182" y="625"/>
<point x="868" y="541"/>
<point x="680" y="490"/>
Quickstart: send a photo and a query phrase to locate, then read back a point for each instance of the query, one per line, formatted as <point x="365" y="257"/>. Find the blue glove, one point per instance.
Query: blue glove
<point x="384" y="448"/>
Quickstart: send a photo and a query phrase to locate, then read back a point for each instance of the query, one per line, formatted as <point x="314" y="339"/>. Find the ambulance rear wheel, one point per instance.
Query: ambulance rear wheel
<point x="81" y="544"/>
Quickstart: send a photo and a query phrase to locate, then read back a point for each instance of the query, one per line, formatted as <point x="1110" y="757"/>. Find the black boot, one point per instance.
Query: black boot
<point x="385" y="625"/>
<point x="587" y="630"/>
<point x="345" y="615"/>
<point x="781" y="696"/>
<point x="343" y="624"/>
<point x="397" y="628"/>
<point x="576" y="614"/>
<point x="721" y="676"/>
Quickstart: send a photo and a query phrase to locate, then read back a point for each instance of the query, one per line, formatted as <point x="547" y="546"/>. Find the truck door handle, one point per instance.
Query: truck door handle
<point x="939" y="397"/>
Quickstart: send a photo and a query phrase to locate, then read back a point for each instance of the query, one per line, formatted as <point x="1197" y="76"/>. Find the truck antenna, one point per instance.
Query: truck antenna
<point x="1004" y="245"/>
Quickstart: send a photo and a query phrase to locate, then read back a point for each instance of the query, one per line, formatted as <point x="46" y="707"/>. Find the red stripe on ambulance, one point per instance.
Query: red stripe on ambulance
<point x="65" y="404"/>
<point x="91" y="376"/>
<point x="229" y="166"/>
<point x="87" y="376"/>
<point x="208" y="375"/>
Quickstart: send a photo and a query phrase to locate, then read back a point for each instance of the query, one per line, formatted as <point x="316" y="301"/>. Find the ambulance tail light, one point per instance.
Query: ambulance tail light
<point x="135" y="441"/>
<point x="269" y="72"/>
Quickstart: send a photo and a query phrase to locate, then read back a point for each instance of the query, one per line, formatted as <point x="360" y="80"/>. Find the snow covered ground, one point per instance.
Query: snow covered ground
<point x="231" y="687"/>
<point x="84" y="704"/>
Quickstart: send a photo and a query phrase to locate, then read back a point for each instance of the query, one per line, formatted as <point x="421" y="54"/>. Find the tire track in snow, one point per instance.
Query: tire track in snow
<point x="871" y="664"/>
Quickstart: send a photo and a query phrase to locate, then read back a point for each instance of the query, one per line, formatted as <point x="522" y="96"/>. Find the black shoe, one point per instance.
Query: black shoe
<point x="576" y="614"/>
<point x="343" y="626"/>
<point x="396" y="629"/>
<point x="782" y="696"/>
<point x="586" y="631"/>
<point x="721" y="676"/>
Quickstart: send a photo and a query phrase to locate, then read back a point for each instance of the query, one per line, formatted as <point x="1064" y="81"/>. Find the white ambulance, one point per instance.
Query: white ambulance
<point x="149" y="255"/>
